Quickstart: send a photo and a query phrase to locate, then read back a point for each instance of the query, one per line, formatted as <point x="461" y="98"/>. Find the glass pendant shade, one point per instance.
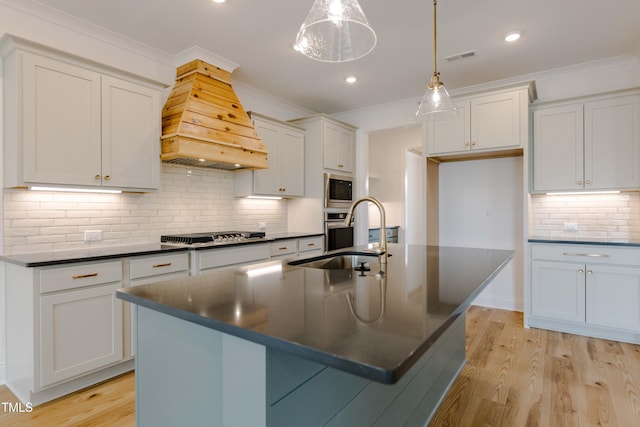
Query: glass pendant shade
<point x="335" y="31"/>
<point x="436" y="104"/>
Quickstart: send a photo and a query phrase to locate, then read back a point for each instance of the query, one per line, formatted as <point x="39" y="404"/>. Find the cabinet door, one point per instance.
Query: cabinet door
<point x="292" y="166"/>
<point x="61" y="123"/>
<point x="612" y="143"/>
<point x="613" y="297"/>
<point x="346" y="147"/>
<point x="130" y="135"/>
<point x="330" y="141"/>
<point x="80" y="331"/>
<point x="495" y="121"/>
<point x="268" y="181"/>
<point x="453" y="135"/>
<point x="558" y="148"/>
<point x="558" y="290"/>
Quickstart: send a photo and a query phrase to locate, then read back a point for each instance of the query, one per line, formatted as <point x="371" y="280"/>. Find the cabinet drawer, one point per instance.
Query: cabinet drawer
<point x="156" y="265"/>
<point x="310" y="244"/>
<point x="239" y="255"/>
<point x="79" y="275"/>
<point x="284" y="247"/>
<point x="589" y="254"/>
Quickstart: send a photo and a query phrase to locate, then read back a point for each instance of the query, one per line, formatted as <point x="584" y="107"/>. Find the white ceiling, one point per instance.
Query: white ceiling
<point x="258" y="36"/>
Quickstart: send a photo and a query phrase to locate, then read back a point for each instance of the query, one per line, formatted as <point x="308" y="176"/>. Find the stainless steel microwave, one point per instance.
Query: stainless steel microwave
<point x="338" y="191"/>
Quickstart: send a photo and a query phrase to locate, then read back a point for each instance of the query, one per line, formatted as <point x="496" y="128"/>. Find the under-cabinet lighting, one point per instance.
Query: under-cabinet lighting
<point x="261" y="271"/>
<point x="265" y="197"/>
<point x="76" y="190"/>
<point x="572" y="193"/>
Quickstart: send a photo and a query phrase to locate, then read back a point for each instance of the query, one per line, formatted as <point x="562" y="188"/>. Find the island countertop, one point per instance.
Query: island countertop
<point x="372" y="325"/>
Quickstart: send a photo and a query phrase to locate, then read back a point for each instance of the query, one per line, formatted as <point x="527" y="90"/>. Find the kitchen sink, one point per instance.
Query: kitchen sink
<point x="338" y="261"/>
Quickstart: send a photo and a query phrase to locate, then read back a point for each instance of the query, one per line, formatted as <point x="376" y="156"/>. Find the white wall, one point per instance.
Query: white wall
<point x="387" y="172"/>
<point x="481" y="207"/>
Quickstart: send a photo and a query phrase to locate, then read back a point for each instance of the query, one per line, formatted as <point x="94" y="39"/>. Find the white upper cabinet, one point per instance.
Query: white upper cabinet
<point x="590" y="146"/>
<point x="69" y="125"/>
<point x="330" y="144"/>
<point x="339" y="145"/>
<point x="285" y="175"/>
<point x="484" y="123"/>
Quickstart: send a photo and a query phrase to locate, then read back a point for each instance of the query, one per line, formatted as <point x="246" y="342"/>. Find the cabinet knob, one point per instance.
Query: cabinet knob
<point x="473" y="144"/>
<point x="588" y="182"/>
<point x="581" y="271"/>
<point x="579" y="182"/>
<point x="340" y="166"/>
<point x="107" y="177"/>
<point x="589" y="271"/>
<point x="97" y="176"/>
<point x="466" y="144"/>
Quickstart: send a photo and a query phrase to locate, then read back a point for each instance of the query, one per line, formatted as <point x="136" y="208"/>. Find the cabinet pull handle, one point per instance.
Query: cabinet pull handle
<point x="84" y="276"/>
<point x="311" y="244"/>
<point x="166" y="264"/>
<point x="284" y="248"/>
<point x="589" y="255"/>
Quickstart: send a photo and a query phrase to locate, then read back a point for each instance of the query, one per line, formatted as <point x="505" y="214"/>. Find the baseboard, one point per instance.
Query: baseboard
<point x="497" y="302"/>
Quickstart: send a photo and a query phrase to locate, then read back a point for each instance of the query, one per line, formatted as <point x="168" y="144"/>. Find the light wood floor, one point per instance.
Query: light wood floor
<point x="514" y="377"/>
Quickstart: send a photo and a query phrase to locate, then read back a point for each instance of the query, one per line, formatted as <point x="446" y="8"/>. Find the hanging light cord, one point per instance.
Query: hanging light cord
<point x="435" y="46"/>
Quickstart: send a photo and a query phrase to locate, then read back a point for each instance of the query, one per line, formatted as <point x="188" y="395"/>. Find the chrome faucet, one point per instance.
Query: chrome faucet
<point x="381" y="250"/>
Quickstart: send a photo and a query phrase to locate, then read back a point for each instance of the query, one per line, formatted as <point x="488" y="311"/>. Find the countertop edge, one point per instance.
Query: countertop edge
<point x="114" y="252"/>
<point x="584" y="242"/>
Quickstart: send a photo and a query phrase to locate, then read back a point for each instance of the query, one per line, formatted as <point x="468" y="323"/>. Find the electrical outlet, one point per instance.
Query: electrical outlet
<point x="571" y="226"/>
<point x="92" y="235"/>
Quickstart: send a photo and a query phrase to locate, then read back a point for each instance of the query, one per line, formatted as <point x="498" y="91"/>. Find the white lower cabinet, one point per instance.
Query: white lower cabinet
<point x="80" y="331"/>
<point x="64" y="328"/>
<point x="586" y="289"/>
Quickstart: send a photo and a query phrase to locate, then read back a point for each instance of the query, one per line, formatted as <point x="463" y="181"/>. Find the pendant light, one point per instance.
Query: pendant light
<point x="335" y="31"/>
<point x="436" y="103"/>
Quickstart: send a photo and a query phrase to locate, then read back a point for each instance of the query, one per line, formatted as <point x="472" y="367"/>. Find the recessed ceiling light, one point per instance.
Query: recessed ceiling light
<point x="219" y="1"/>
<point x="351" y="79"/>
<point x="512" y="36"/>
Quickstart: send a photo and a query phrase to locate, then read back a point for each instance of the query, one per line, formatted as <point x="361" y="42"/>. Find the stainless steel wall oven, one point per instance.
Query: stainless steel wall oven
<point x="337" y="235"/>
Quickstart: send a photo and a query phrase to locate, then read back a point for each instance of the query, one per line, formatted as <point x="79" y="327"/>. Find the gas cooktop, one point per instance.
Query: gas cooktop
<point x="213" y="238"/>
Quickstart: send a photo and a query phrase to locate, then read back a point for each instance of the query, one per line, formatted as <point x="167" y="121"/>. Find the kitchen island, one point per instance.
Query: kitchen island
<point x="274" y="344"/>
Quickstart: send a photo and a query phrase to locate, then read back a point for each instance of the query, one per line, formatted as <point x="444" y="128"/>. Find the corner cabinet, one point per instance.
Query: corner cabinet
<point x="586" y="289"/>
<point x="71" y="125"/>
<point x="285" y="175"/>
<point x="589" y="145"/>
<point x="337" y="141"/>
<point x="485" y="122"/>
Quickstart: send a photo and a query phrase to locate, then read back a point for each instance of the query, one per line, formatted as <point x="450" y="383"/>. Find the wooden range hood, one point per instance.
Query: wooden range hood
<point x="204" y="124"/>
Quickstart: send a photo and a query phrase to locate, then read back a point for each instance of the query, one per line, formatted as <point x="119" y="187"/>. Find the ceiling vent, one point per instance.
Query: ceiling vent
<point x="464" y="55"/>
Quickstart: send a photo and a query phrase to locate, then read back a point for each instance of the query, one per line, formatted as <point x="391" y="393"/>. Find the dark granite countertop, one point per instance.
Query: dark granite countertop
<point x="371" y="326"/>
<point x="291" y="235"/>
<point x="584" y="241"/>
<point x="42" y="259"/>
<point x="81" y="255"/>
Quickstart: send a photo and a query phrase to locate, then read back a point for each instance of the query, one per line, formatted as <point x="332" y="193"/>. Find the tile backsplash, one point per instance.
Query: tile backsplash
<point x="609" y="216"/>
<point x="190" y="200"/>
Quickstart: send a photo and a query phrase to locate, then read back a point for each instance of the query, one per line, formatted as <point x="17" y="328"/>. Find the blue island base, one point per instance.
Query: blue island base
<point x="188" y="374"/>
